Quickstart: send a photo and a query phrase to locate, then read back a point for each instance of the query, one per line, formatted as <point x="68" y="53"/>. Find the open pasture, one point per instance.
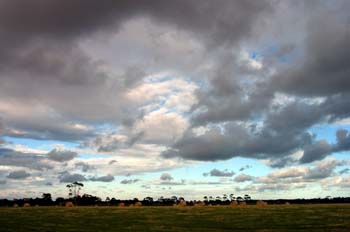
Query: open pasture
<point x="335" y="217"/>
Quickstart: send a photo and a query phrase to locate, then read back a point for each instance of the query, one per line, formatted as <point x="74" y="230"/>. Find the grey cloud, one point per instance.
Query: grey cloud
<point x="226" y="98"/>
<point x="321" y="149"/>
<point x="282" y="162"/>
<point x="218" y="173"/>
<point x="85" y="167"/>
<point x="18" y="175"/>
<point x="9" y="157"/>
<point x="39" y="52"/>
<point x="322" y="170"/>
<point x="243" y="178"/>
<point x="324" y="70"/>
<point x="109" y="143"/>
<point x="283" y="132"/>
<point x="2" y="182"/>
<point x="166" y="177"/>
<point x="61" y="156"/>
<point x="237" y="140"/>
<point x="108" y="178"/>
<point x="129" y="181"/>
<point x="69" y="178"/>
<point x="343" y="141"/>
<point x="320" y="73"/>
<point x="316" y="151"/>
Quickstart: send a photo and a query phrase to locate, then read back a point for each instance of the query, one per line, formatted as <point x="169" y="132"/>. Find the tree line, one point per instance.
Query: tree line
<point x="75" y="198"/>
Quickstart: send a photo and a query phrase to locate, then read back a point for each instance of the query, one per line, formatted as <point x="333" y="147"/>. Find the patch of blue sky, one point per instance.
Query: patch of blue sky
<point x="195" y="171"/>
<point x="106" y="127"/>
<point x="93" y="155"/>
<point x="327" y="131"/>
<point x="39" y="144"/>
<point x="255" y="55"/>
<point x="285" y="58"/>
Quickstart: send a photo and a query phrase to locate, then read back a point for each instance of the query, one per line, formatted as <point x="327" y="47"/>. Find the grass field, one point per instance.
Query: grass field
<point x="221" y="218"/>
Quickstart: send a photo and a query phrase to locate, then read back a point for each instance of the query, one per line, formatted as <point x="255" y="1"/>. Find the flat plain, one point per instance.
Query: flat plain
<point x="325" y="217"/>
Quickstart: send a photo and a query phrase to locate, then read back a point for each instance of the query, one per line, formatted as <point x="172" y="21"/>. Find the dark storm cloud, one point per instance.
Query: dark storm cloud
<point x="61" y="156"/>
<point x="107" y="178"/>
<point x="283" y="132"/>
<point x="18" y="175"/>
<point x="69" y="178"/>
<point x="9" y="157"/>
<point x="41" y="61"/>
<point x="66" y="19"/>
<point x="219" y="173"/>
<point x="226" y="97"/>
<point x="324" y="70"/>
<point x="42" y="64"/>
<point x="276" y="138"/>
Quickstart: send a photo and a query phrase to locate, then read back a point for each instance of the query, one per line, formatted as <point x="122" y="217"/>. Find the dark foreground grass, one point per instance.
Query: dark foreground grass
<point x="250" y="218"/>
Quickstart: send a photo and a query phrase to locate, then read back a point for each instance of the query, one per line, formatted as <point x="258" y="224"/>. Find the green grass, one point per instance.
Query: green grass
<point x="251" y="218"/>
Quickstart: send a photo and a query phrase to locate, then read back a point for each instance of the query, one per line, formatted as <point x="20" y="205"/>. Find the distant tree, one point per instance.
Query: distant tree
<point x="239" y="198"/>
<point x="59" y="201"/>
<point x="224" y="197"/>
<point x="108" y="199"/>
<point x="174" y="199"/>
<point x="247" y="197"/>
<point x="47" y="196"/>
<point x="205" y="198"/>
<point x="70" y="190"/>
<point x="74" y="189"/>
<point x="232" y="197"/>
<point x="77" y="188"/>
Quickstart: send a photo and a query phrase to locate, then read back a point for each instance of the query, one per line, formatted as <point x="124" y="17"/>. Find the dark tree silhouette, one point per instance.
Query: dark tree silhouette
<point x="74" y="189"/>
<point x="205" y="198"/>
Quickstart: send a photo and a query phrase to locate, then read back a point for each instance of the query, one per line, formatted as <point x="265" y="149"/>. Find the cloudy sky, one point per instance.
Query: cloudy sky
<point x="182" y="97"/>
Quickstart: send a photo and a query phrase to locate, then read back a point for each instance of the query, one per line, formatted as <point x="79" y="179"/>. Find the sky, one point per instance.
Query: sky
<point x="182" y="97"/>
